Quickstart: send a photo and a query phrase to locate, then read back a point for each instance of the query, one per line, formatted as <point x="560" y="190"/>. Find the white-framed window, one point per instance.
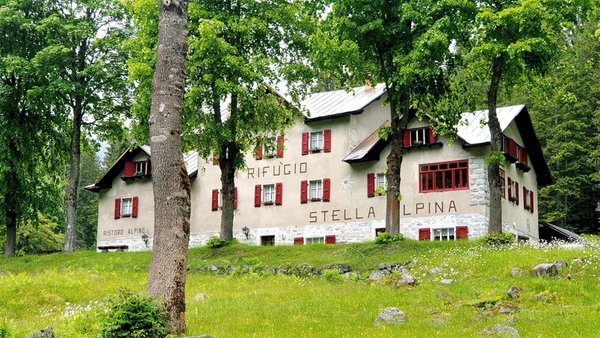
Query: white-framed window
<point x="315" y="190"/>
<point x="444" y="234"/>
<point x="314" y="240"/>
<point x="141" y="168"/>
<point x="270" y="147"/>
<point x="419" y="136"/>
<point x="268" y="195"/>
<point x="380" y="184"/>
<point x="316" y="141"/>
<point x="126" y="206"/>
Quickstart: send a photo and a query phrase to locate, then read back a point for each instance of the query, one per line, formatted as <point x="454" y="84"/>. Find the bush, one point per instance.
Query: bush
<point x="131" y="314"/>
<point x="40" y="237"/>
<point x="496" y="239"/>
<point x="4" y="330"/>
<point x="386" y="238"/>
<point x="216" y="242"/>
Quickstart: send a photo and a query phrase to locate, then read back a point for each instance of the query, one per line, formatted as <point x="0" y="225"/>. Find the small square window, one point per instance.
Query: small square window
<point x="268" y="196"/>
<point x="315" y="240"/>
<point x="141" y="168"/>
<point x="316" y="141"/>
<point x="267" y="240"/>
<point x="126" y="206"/>
<point x="316" y="190"/>
<point x="445" y="234"/>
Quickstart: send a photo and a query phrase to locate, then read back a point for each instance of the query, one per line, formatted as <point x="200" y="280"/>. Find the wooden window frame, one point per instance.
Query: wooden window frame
<point x="429" y="171"/>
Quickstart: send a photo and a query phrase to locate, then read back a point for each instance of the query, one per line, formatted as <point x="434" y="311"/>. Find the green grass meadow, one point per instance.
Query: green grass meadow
<point x="66" y="291"/>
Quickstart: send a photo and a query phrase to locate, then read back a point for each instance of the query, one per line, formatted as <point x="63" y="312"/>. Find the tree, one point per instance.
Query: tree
<point x="510" y="40"/>
<point x="237" y="48"/>
<point x="86" y="67"/>
<point x="171" y="185"/>
<point x="31" y="124"/>
<point x="87" y="203"/>
<point x="406" y="45"/>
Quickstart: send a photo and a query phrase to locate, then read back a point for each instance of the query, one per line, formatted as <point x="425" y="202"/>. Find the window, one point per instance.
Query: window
<point x="314" y="240"/>
<point x="316" y="141"/>
<point x="444" y="176"/>
<point x="268" y="195"/>
<point x="509" y="147"/>
<point x="316" y="190"/>
<point x="445" y="234"/>
<point x="380" y="184"/>
<point x="217" y="199"/>
<point x="270" y="147"/>
<point x="513" y="191"/>
<point x="267" y="240"/>
<point x="418" y="136"/>
<point x="142" y="168"/>
<point x="126" y="207"/>
<point x="502" y="184"/>
<point x="528" y="199"/>
<point x="376" y="184"/>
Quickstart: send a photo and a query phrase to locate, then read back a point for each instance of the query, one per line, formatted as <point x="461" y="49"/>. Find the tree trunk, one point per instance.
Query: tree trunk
<point x="73" y="183"/>
<point x="495" y="216"/>
<point x="227" y="158"/>
<point x="11" y="227"/>
<point x="171" y="185"/>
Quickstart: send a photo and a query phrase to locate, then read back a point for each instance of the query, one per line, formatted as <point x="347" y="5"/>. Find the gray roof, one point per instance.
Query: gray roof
<point x="190" y="158"/>
<point x="365" y="150"/>
<point x="473" y="127"/>
<point x="341" y="102"/>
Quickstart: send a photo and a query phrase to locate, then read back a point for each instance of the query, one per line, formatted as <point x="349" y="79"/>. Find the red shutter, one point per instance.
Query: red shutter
<point x="234" y="197"/>
<point x="531" y="200"/>
<point x="510" y="189"/>
<point x="278" y="191"/>
<point x="215" y="199"/>
<point x="259" y="149"/>
<point x="370" y="184"/>
<point x="257" y="190"/>
<point x="304" y="143"/>
<point x="517" y="193"/>
<point x="134" y="208"/>
<point x="406" y="142"/>
<point x="303" y="191"/>
<point x="327" y="140"/>
<point x="129" y="169"/>
<point x="424" y="234"/>
<point x="462" y="232"/>
<point x="117" y="208"/>
<point x="512" y="147"/>
<point x="279" y="146"/>
<point x="298" y="240"/>
<point x="431" y="136"/>
<point x="330" y="239"/>
<point x="525" y="198"/>
<point x="148" y="167"/>
<point x="326" y="188"/>
<point x="523" y="158"/>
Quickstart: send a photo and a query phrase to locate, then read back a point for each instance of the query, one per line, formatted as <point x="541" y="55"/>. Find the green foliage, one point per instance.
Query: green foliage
<point x="387" y="238"/>
<point x="497" y="239"/>
<point x="495" y="157"/>
<point x="39" y="237"/>
<point x="216" y="242"/>
<point x="4" y="329"/>
<point x="131" y="314"/>
<point x="332" y="275"/>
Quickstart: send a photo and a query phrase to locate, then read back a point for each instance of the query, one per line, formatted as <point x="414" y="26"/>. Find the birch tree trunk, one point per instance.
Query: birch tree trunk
<point x="171" y="185"/>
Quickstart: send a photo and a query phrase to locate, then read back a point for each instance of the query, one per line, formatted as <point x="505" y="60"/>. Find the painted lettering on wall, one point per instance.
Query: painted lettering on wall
<point x="429" y="208"/>
<point x="121" y="232"/>
<point x="340" y="215"/>
<point x="281" y="169"/>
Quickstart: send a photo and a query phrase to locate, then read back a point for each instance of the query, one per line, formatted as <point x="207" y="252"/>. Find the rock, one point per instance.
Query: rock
<point x="390" y="315"/>
<point x="494" y="279"/>
<point x="378" y="275"/>
<point x="514" y="292"/>
<point x="382" y="266"/>
<point x="435" y="271"/>
<point x="542" y="296"/>
<point x="405" y="279"/>
<point x="446" y="281"/>
<point x="516" y="272"/>
<point x="545" y="270"/>
<point x="438" y="322"/>
<point x="506" y="308"/>
<point x="577" y="260"/>
<point x="200" y="296"/>
<point x="501" y="330"/>
<point x="213" y="267"/>
<point x="45" y="333"/>
<point x="559" y="263"/>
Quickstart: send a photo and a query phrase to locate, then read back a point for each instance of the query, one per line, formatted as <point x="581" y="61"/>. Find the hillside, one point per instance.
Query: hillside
<point x="241" y="291"/>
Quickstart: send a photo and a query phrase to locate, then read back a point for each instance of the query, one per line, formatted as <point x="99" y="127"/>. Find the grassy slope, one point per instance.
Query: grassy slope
<point x="37" y="291"/>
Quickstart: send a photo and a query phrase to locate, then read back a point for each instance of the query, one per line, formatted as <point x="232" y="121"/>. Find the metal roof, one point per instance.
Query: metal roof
<point x="341" y="102"/>
<point x="473" y="127"/>
<point x="366" y="149"/>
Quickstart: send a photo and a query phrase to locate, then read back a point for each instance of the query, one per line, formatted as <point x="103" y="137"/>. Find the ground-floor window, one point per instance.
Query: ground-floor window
<point x="267" y="240"/>
<point x="444" y="234"/>
<point x="314" y="240"/>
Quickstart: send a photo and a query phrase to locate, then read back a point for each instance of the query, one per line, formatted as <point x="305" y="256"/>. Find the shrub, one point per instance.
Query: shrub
<point x="39" y="237"/>
<point x="333" y="275"/>
<point x="216" y="242"/>
<point x="132" y="314"/>
<point x="496" y="239"/>
<point x="4" y="330"/>
<point x="386" y="238"/>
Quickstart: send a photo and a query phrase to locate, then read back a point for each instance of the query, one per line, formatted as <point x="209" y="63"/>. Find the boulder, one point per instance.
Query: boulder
<point x="378" y="275"/>
<point x="560" y="263"/>
<point x="516" y="272"/>
<point x="545" y="270"/>
<point x="501" y="330"/>
<point x="446" y="281"/>
<point x="45" y="333"/>
<point x="435" y="271"/>
<point x="405" y="279"/>
<point x="514" y="292"/>
<point x="213" y="267"/>
<point x="390" y="315"/>
<point x="577" y="260"/>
